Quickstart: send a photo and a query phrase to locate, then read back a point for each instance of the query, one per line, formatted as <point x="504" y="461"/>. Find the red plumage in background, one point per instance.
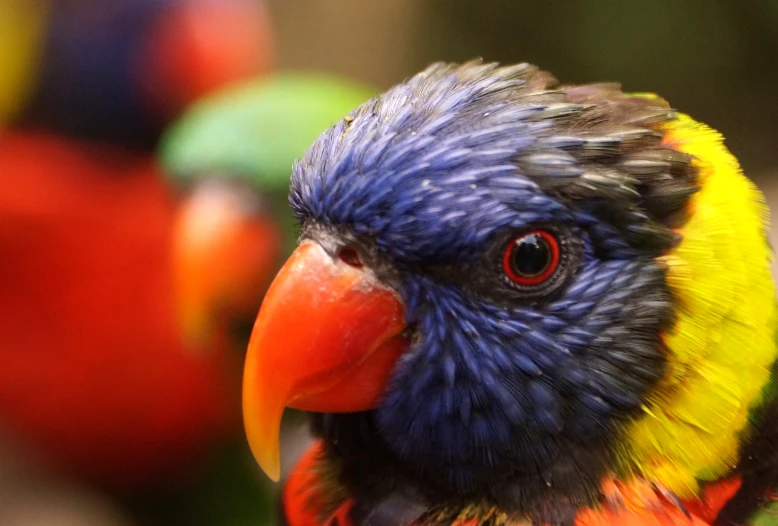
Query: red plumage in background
<point x="95" y="372"/>
<point x="93" y="367"/>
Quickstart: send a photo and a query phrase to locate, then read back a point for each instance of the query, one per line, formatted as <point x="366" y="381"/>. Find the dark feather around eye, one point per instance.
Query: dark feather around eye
<point x="486" y="278"/>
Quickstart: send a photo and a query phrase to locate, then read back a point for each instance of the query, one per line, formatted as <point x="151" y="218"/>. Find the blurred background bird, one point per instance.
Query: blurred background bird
<point x="125" y="306"/>
<point x="229" y="157"/>
<point x="98" y="380"/>
<point x="94" y="369"/>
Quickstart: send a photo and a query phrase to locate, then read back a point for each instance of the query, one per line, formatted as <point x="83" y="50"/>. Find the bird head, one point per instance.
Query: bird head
<point x="482" y="276"/>
<point x="230" y="155"/>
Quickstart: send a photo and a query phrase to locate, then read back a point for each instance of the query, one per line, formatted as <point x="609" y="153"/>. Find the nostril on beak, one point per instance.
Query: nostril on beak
<point x="350" y="256"/>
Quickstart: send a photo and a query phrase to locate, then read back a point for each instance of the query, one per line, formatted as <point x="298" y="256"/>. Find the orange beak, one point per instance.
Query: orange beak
<point x="225" y="252"/>
<point x="326" y="339"/>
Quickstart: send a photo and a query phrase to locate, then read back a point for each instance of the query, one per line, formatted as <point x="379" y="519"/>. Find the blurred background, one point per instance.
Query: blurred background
<point x="145" y="149"/>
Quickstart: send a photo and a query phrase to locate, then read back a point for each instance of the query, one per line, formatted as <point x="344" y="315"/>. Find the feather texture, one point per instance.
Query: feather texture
<point x="639" y="364"/>
<point x="722" y="346"/>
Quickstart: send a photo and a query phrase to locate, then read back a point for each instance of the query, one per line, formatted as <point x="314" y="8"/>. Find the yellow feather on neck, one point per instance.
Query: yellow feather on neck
<point x="722" y="346"/>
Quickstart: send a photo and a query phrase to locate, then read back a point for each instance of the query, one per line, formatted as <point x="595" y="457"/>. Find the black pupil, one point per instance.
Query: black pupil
<point x="531" y="255"/>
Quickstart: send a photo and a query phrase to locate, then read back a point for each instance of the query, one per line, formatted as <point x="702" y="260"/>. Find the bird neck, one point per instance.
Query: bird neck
<point x="722" y="346"/>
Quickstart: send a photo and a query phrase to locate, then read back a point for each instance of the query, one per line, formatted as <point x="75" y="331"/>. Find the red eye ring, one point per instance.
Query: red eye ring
<point x="549" y="242"/>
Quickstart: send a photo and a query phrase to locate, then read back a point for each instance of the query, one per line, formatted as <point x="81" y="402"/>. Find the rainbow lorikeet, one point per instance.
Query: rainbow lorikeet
<point x="230" y="156"/>
<point x="516" y="301"/>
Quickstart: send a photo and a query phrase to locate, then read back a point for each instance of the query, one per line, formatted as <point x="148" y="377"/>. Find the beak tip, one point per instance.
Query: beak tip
<point x="268" y="456"/>
<point x="263" y="429"/>
<point x="270" y="462"/>
<point x="272" y="469"/>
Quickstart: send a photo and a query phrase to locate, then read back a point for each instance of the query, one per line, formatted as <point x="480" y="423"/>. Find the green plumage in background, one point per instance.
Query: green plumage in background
<point x="255" y="130"/>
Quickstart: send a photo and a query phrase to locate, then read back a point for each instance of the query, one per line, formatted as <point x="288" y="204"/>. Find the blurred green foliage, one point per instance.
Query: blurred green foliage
<point x="230" y="492"/>
<point x="769" y="517"/>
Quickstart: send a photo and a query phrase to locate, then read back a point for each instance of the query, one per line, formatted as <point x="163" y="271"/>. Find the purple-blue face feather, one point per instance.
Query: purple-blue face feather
<point x="506" y="394"/>
<point x="408" y="174"/>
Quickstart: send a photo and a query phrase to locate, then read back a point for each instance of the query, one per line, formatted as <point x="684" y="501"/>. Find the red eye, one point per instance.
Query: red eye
<point x="531" y="258"/>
